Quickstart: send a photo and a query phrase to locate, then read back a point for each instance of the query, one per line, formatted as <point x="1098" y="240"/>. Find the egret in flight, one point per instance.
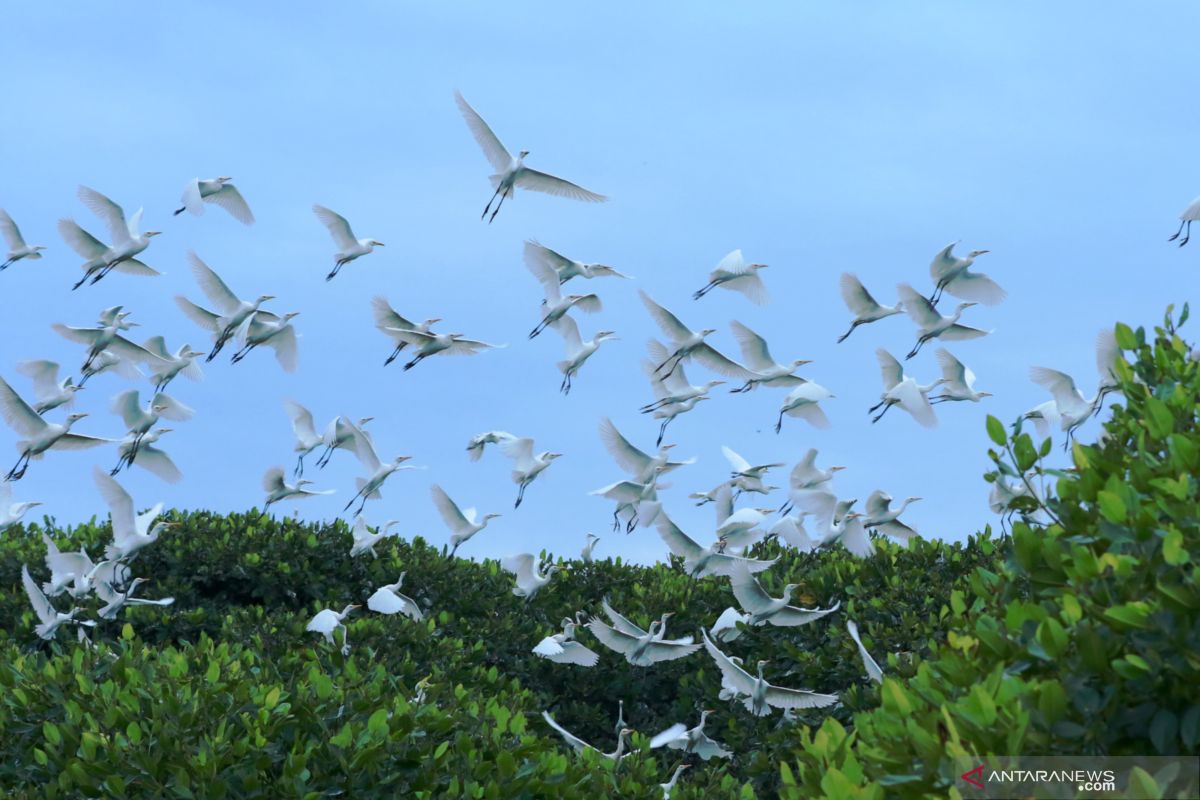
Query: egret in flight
<point x="1189" y="215"/>
<point x="903" y="391"/>
<point x="862" y="305"/>
<point x="958" y="382"/>
<point x="364" y="539"/>
<point x="17" y="249"/>
<point x="48" y="391"/>
<point x="131" y="531"/>
<point x="10" y="512"/>
<point x="579" y="745"/>
<point x="379" y="472"/>
<point x="349" y="248"/>
<point x="761" y="608"/>
<point x="562" y="648"/>
<point x="447" y="344"/>
<point x="759" y="368"/>
<point x="759" y="695"/>
<point x="885" y="519"/>
<point x="804" y="402"/>
<point x="578" y="351"/>
<point x="639" y="464"/>
<point x="565" y="267"/>
<point x="278" y="489"/>
<point x="49" y="620"/>
<point x="388" y="600"/>
<point x="97" y="254"/>
<point x="933" y="325"/>
<point x="555" y="305"/>
<point x="231" y="310"/>
<point x="526" y="465"/>
<point x="463" y="523"/>
<point x="40" y="435"/>
<point x="512" y="172"/>
<point x="275" y="332"/>
<point x="874" y="671"/>
<point x="126" y="241"/>
<point x="700" y="561"/>
<point x="953" y="274"/>
<point x="219" y="192"/>
<point x="530" y="579"/>
<point x="684" y="341"/>
<point x="735" y="274"/>
<point x="181" y="362"/>
<point x="327" y="621"/>
<point x="387" y="320"/>
<point x="691" y="740"/>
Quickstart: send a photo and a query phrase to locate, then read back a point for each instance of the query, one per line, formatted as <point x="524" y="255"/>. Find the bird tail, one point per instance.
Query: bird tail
<point x="563" y="365"/>
<point x="495" y="179"/>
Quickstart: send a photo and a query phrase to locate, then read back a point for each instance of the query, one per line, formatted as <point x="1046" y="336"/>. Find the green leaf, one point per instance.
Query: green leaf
<point x="343" y="737"/>
<point x="995" y="430"/>
<point x="213" y="674"/>
<point x="1163" y="728"/>
<point x="127" y="632"/>
<point x="1142" y="785"/>
<point x="1159" y="419"/>
<point x="1133" y="615"/>
<point x="52" y="734"/>
<point x="1125" y="338"/>
<point x="1112" y="507"/>
<point x="378" y="722"/>
<point x="1173" y="550"/>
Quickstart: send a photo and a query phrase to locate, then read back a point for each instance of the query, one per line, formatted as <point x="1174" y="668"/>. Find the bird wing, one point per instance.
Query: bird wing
<point x="450" y="512"/>
<point x="44" y="375"/>
<point x="213" y="287"/>
<point x="721" y="364"/>
<point x="736" y="462"/>
<point x="17" y="413"/>
<point x="668" y="322"/>
<point x="535" y="251"/>
<point x="943" y="263"/>
<point x="723" y="503"/>
<point x="302" y="421"/>
<point x="131" y="266"/>
<point x="874" y="671"/>
<point x="621" y="622"/>
<point x="1107" y="354"/>
<point x="732" y="264"/>
<point x="918" y="308"/>
<point x="469" y="347"/>
<point x="754" y="348"/>
<point x="889" y="369"/>
<point x="201" y="316"/>
<point x="108" y="211"/>
<point x="792" y="531"/>
<point x="856" y="297"/>
<point x="120" y="506"/>
<point x="495" y="153"/>
<point x="41" y="606"/>
<point x="958" y="332"/>
<point x="273" y="479"/>
<point x="575" y="653"/>
<point x="542" y="182"/>
<point x="337" y="225"/>
<point x="793" y="616"/>
<point x="748" y="591"/>
<point x="613" y="639"/>
<point x="157" y="463"/>
<point x="779" y="697"/>
<point x="750" y="285"/>
<point x="12" y="234"/>
<point x="855" y="538"/>
<point x="520" y="565"/>
<point x="589" y="304"/>
<point x="976" y="287"/>
<point x="743" y="682"/>
<point x="364" y="449"/>
<point x="668" y="651"/>
<point x="897" y="530"/>
<point x="878" y="503"/>
<point x="676" y="731"/>
<point x="230" y="199"/>
<point x="126" y="406"/>
<point x="578" y="744"/>
<point x="550" y="646"/>
<point x="625" y="491"/>
<point x="952" y="369"/>
<point x="520" y="450"/>
<point x="80" y="240"/>
<point x="1060" y="385"/>
<point x="676" y="540"/>
<point x="385" y="601"/>
<point x="175" y="410"/>
<point x="627" y="456"/>
<point x="77" y="441"/>
<point x="158" y="346"/>
<point x="191" y="197"/>
<point x="284" y="343"/>
<point x="546" y="275"/>
<point x="914" y="401"/>
<point x="386" y="316"/>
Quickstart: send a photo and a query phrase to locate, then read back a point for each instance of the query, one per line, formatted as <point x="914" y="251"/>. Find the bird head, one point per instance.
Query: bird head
<point x="32" y="504"/>
<point x="161" y="431"/>
<point x="159" y="407"/>
<point x="148" y="234"/>
<point x="262" y="298"/>
<point x="224" y="179"/>
<point x="912" y="499"/>
<point x="964" y="306"/>
<point x="188" y="352"/>
<point x="765" y="510"/>
<point x="836" y="469"/>
<point x="592" y="536"/>
<point x="76" y="417"/>
<point x="975" y="253"/>
<point x="800" y="362"/>
<point x="708" y="331"/>
<point x="427" y="323"/>
<point x="762" y="663"/>
<point x="758" y="266"/>
<point x="523" y="154"/>
<point x="551" y="456"/>
<point x="37" y="248"/>
<point x="375" y="243"/>
<point x="712" y="384"/>
<point x="290" y="315"/>
<point x="364" y="420"/>
<point x="602" y="335"/>
<point x="986" y="394"/>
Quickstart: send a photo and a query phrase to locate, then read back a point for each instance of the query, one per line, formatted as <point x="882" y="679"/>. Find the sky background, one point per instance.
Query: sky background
<point x="818" y="138"/>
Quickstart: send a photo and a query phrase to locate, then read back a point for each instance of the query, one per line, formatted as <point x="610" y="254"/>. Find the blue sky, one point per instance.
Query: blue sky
<point x="818" y="139"/>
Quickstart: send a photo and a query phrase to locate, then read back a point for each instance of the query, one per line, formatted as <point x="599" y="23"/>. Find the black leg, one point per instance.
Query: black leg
<point x="704" y="291"/>
<point x="497" y="209"/>
<point x="846" y="335"/>
<point x="1187" y="235"/>
<point x="395" y="353"/>
<point x="662" y="430"/>
<point x="488" y="207"/>
<point x="413" y="363"/>
<point x="1176" y="236"/>
<point x="779" y="424"/>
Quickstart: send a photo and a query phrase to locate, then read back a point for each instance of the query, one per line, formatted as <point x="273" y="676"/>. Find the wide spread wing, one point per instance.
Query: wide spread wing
<point x="779" y="697"/>
<point x="856" y="297"/>
<point x="721" y="364"/>
<point x="450" y="512"/>
<point x="754" y="348"/>
<point x="337" y="225"/>
<point x="668" y="322"/>
<point x="547" y="276"/>
<point x="108" y="211"/>
<point x="676" y="540"/>
<point x="157" y="463"/>
<point x="621" y="622"/>
<point x="521" y="565"/>
<point x="579" y="744"/>
<point x="80" y="240"/>
<point x="386" y="316"/>
<point x="302" y="421"/>
<point x="956" y="333"/>
<point x="520" y="450"/>
<point x="737" y="677"/>
<point x="914" y="401"/>
<point x="976" y="287"/>
<point x="120" y="506"/>
<point x="17" y="413"/>
<point x="676" y="731"/>
<point x="953" y="370"/>
<point x="943" y="263"/>
<point x="628" y="457"/>
<point x="12" y="234"/>
<point x="874" y="671"/>
<point x="41" y="606"/>
<point x="213" y="287"/>
<point x="748" y="591"/>
<point x="549" y="184"/>
<point x="495" y="153"/>
<point x="889" y="369"/>
<point x="918" y="308"/>
<point x="191" y="197"/>
<point x="230" y="199"/>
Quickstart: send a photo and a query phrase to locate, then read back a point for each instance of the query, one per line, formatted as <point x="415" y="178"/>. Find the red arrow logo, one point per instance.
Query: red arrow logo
<point x="966" y="776"/>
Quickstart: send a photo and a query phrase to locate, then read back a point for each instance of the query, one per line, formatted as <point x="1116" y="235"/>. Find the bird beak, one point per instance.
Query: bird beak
<point x="981" y="252"/>
<point x="667" y="446"/>
<point x="380" y="244"/>
<point x="35" y="503"/>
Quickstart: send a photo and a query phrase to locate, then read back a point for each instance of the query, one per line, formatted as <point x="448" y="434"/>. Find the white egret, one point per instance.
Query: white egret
<point x="530" y="579"/>
<point x="585" y="556"/>
<point x="691" y="740"/>
<point x="761" y="696"/>
<point x="958" y="382"/>
<point x="447" y="344"/>
<point x="97" y="254"/>
<point x="739" y="528"/>
<point x="562" y="648"/>
<point x="791" y="529"/>
<point x="181" y="362"/>
<point x="145" y="455"/>
<point x="885" y="519"/>
<point x="862" y="305"/>
<point x="304" y="431"/>
<point x="117" y="599"/>
<point x="641" y="651"/>
<point x="874" y="671"/>
<point x="759" y="369"/>
<point x="17" y="249"/>
<point x="107" y="336"/>
<point x="684" y="341"/>
<point x="127" y="242"/>
<point x="735" y="274"/>
<point x="743" y="468"/>
<point x="804" y="402"/>
<point x="622" y="623"/>
<point x="219" y="192"/>
<point x="10" y="512"/>
<point x="478" y="443"/>
<point x="555" y="305"/>
<point x="342" y="434"/>
<point x="40" y="435"/>
<point x="565" y="267"/>
<point x="231" y="311"/>
<point x="849" y="530"/>
<point x="73" y="572"/>
<point x="512" y="172"/>
<point x="387" y="320"/>
<point x="365" y="540"/>
<point x="349" y="248"/>
<point x="578" y="351"/>
<point x="932" y="324"/>
<point x="105" y="361"/>
<point x="326" y="621"/>
<point x="1069" y="407"/>
<point x="669" y="786"/>
<point x="463" y="523"/>
<point x="953" y="274"/>
<point x="903" y="391"/>
<point x="579" y="745"/>
<point x="388" y="600"/>
<point x="49" y="620"/>
<point x="139" y="421"/>
<point x="275" y="332"/>
<point x="278" y="489"/>
<point x="807" y="482"/>
<point x="131" y="531"/>
<point x="1189" y="215"/>
<point x="669" y="389"/>
<point x="637" y="502"/>
<point x="526" y="465"/>
<point x="379" y="472"/>
<point x="761" y="608"/>
<point x="699" y="561"/>
<point x="48" y="391"/>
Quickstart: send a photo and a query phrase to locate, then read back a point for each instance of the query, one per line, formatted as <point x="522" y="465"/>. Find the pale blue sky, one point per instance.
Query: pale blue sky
<point x="817" y="138"/>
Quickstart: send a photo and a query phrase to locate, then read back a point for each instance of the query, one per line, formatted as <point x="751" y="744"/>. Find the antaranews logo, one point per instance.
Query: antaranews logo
<point x="1078" y="778"/>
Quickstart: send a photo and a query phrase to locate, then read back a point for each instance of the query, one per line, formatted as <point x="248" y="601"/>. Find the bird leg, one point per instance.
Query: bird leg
<point x="565" y="388"/>
<point x="179" y="211"/>
<point x="617" y="518"/>
<point x="881" y="413"/>
<point x="677" y="356"/>
<point x="786" y="507"/>
<point x="916" y="348"/>
<point x="395" y="353"/>
<point x="497" y="209"/>
<point x="520" y="494"/>
<point x="298" y="470"/>
<point x="662" y="430"/>
<point x="541" y="326"/>
<point x="657" y="404"/>
<point x="336" y="268"/>
<point x="779" y="424"/>
<point x="414" y="362"/>
<point x="1187" y="235"/>
<point x="240" y="354"/>
<point x="6" y="264"/>
<point x="845" y="335"/>
<point x="704" y="291"/>
<point x="872" y="409"/>
<point x="632" y="523"/>
<point x="488" y="207"/>
<point x="18" y="470"/>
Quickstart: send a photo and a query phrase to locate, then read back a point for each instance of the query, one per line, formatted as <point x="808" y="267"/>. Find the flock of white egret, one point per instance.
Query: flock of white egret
<point x="812" y="516"/>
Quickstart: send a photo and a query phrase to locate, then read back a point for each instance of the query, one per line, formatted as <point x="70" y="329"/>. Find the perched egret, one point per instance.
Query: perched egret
<point x="804" y="402"/>
<point x="585" y="556"/>
<point x="901" y="390"/>
<point x="275" y="332"/>
<point x="759" y="369"/>
<point x="565" y="267"/>
<point x="684" y="341"/>
<point x="17" y="249"/>
<point x="365" y="540"/>
<point x="219" y="192"/>
<point x="326" y="621"/>
<point x="579" y="745"/>
<point x="388" y="600"/>
<point x="49" y="620"/>
<point x="181" y="362"/>
<point x="117" y="599"/>
<point x="933" y="325"/>
<point x="641" y="651"/>
<point x="1189" y="215"/>
<point x="512" y="172"/>
<point x="379" y="472"/>
<point x="735" y="274"/>
<point x="862" y="305"/>
<point x="10" y="512"/>
<point x="874" y="671"/>
<point x="478" y="443"/>
<point x="953" y="274"/>
<point x="699" y="561"/>
<point x="447" y="344"/>
<point x="530" y="580"/>
<point x="349" y="248"/>
<point x="526" y="465"/>
<point x="137" y="449"/>
<point x="669" y="786"/>
<point x="562" y="648"/>
<point x="231" y="311"/>
<point x="958" y="382"/>
<point x="578" y="351"/>
<point x="387" y="320"/>
<point x="131" y="531"/>
<point x="761" y="696"/>
<point x="40" y="435"/>
<point x="278" y="489"/>
<point x="48" y="391"/>
<point x="691" y="740"/>
<point x="885" y="519"/>
<point x="127" y="242"/>
<point x="463" y="523"/>
<point x="761" y="608"/>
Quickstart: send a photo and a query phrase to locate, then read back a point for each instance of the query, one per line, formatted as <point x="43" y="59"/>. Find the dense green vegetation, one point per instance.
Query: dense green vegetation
<point x="1076" y="633"/>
